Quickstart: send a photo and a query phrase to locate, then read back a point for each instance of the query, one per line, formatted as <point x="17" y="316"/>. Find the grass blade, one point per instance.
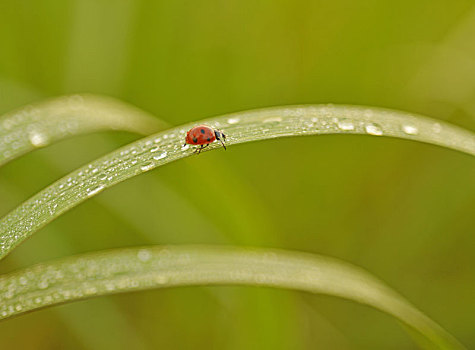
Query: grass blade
<point x="167" y="146"/>
<point x="41" y="124"/>
<point x="133" y="269"/>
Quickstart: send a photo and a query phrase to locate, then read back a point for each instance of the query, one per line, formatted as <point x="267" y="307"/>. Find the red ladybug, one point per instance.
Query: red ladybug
<point x="203" y="135"/>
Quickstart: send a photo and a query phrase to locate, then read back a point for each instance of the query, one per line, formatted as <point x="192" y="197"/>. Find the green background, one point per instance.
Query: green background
<point x="402" y="210"/>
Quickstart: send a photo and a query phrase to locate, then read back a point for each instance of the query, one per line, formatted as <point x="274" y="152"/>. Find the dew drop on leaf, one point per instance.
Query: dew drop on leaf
<point x="345" y="125"/>
<point x="436" y="127"/>
<point x="144" y="255"/>
<point x="38" y="139"/>
<point x="272" y="120"/>
<point x="374" y="129"/>
<point x="43" y="284"/>
<point x="160" y="156"/>
<point x="410" y="129"/>
<point x="147" y="166"/>
<point x="94" y="190"/>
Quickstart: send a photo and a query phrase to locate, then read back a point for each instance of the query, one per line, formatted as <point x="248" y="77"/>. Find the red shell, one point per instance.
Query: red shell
<point x="200" y="135"/>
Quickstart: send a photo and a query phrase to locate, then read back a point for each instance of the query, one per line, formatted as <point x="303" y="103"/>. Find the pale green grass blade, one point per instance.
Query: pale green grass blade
<point x="165" y="147"/>
<point x="43" y="123"/>
<point x="133" y="269"/>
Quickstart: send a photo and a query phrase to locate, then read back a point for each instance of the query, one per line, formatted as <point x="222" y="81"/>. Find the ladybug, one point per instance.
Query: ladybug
<point x="203" y="135"/>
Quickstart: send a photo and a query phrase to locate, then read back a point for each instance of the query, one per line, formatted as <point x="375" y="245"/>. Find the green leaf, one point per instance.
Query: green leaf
<point x="41" y="124"/>
<point x="132" y="269"/>
<point x="167" y="146"/>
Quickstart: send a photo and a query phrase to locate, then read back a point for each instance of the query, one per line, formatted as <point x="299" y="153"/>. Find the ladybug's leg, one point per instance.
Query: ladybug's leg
<point x="203" y="146"/>
<point x="199" y="149"/>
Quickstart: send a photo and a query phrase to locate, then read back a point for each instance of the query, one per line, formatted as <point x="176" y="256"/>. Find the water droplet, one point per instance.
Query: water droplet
<point x="43" y="284"/>
<point x="161" y="279"/>
<point x="410" y="129"/>
<point x="8" y="123"/>
<point x="185" y="147"/>
<point x="155" y="149"/>
<point x="368" y="113"/>
<point x="52" y="208"/>
<point x="272" y="120"/>
<point x="147" y="166"/>
<point x="234" y="120"/>
<point x="144" y="255"/>
<point x="95" y="190"/>
<point x="346" y="125"/>
<point x="160" y="156"/>
<point x="374" y="129"/>
<point x="38" y="139"/>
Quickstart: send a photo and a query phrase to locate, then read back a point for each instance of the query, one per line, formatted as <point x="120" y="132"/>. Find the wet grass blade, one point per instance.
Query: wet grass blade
<point x="41" y="124"/>
<point x="167" y="146"/>
<point x="133" y="269"/>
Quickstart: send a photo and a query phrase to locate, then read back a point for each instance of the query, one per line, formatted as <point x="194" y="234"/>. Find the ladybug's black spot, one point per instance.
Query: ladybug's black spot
<point x="208" y="139"/>
<point x="195" y="139"/>
<point x="202" y="131"/>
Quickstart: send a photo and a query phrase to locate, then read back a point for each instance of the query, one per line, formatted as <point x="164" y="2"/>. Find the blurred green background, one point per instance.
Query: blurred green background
<point x="402" y="210"/>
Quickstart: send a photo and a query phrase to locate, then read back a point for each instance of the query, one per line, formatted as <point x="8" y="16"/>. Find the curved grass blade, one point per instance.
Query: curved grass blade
<point x="132" y="269"/>
<point x="41" y="124"/>
<point x="167" y="146"/>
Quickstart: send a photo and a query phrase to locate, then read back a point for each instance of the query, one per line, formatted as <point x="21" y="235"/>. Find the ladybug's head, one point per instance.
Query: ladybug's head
<point x="220" y="137"/>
